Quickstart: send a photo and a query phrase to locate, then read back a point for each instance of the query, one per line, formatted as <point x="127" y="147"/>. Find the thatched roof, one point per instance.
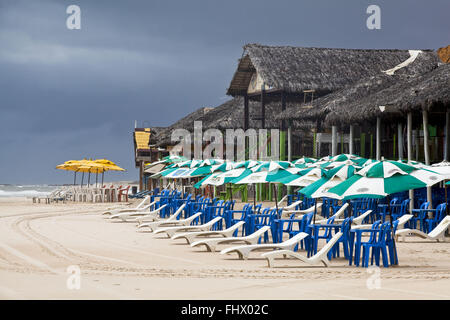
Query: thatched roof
<point x="294" y="69"/>
<point x="230" y="115"/>
<point x="408" y="93"/>
<point x="444" y="54"/>
<point x="361" y="88"/>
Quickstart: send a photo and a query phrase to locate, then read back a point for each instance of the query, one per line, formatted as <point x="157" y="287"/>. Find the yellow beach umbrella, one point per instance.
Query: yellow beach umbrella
<point x="108" y="165"/>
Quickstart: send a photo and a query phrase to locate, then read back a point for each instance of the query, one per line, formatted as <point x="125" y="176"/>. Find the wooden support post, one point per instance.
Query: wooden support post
<point x="333" y="141"/>
<point x="409" y="153"/>
<point x="447" y="136"/>
<point x="426" y="149"/>
<point x="363" y="145"/>
<point x="263" y="107"/>
<point x="400" y="140"/>
<point x="378" y="139"/>
<point x="289" y="134"/>
<point x="350" y="140"/>
<point x="246" y="113"/>
<point x="141" y="175"/>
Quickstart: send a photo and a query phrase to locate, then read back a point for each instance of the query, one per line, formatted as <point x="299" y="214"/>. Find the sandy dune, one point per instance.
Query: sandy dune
<point x="38" y="242"/>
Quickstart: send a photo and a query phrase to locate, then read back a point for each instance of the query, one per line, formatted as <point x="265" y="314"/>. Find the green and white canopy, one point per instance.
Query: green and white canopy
<point x="220" y="178"/>
<point x="271" y="166"/>
<point x="330" y="178"/>
<point x="382" y="178"/>
<point x="304" y="177"/>
<point x="266" y="176"/>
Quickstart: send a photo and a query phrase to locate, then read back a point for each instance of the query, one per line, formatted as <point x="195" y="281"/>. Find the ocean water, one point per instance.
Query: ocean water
<point x="9" y="190"/>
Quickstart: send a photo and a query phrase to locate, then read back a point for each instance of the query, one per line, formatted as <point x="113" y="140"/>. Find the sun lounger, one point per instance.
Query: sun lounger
<point x="190" y="236"/>
<point x="301" y="212"/>
<point x="211" y="244"/>
<point x="140" y="206"/>
<point x="318" y="258"/>
<point x="149" y="217"/>
<point x="401" y="222"/>
<point x="289" y="207"/>
<point x="170" y="231"/>
<point x="336" y="216"/>
<point x="133" y="214"/>
<point x="244" y="250"/>
<point x="170" y="222"/>
<point x="437" y="233"/>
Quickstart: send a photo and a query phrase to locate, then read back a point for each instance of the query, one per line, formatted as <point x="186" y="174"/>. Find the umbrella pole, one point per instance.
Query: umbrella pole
<point x="254" y="196"/>
<point x="74" y="177"/>
<point x="276" y="197"/>
<point x="96" y="179"/>
<point x="392" y="229"/>
<point x="89" y="179"/>
<point x="82" y="178"/>
<point x="446" y="202"/>
<point x="103" y="174"/>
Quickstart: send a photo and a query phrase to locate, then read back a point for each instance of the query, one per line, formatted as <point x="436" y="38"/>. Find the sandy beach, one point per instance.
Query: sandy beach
<point x="39" y="242"/>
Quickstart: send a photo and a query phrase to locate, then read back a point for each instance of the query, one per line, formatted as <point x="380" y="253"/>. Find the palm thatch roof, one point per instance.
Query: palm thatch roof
<point x="295" y="69"/>
<point x="408" y="93"/>
<point x="230" y="115"/>
<point x="318" y="109"/>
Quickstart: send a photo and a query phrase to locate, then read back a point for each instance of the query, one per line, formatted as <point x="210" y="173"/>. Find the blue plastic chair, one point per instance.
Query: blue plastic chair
<point x="344" y="240"/>
<point x="421" y="216"/>
<point x="231" y="218"/>
<point x="438" y="215"/>
<point x="404" y="208"/>
<point x="375" y="226"/>
<point x="379" y="246"/>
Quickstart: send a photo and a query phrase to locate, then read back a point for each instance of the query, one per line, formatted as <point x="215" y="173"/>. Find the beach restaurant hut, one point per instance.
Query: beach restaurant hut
<point x="339" y="101"/>
<point x="285" y="73"/>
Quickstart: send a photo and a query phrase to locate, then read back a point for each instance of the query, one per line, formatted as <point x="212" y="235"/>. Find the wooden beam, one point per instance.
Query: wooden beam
<point x="246" y="113"/>
<point x="350" y="140"/>
<point x="400" y="140"/>
<point x="409" y="153"/>
<point x="263" y="107"/>
<point x="426" y="149"/>
<point x="333" y="141"/>
<point x="378" y="139"/>
<point x="447" y="136"/>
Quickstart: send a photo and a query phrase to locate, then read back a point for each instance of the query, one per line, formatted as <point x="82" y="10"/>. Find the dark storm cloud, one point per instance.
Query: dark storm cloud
<point x="68" y="94"/>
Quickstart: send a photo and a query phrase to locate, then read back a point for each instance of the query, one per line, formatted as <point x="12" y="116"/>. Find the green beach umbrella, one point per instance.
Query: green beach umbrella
<point x="220" y="178"/>
<point x="304" y="160"/>
<point x="305" y="177"/>
<point x="329" y="179"/>
<point x="344" y="157"/>
<point x="271" y="166"/>
<point x="383" y="178"/>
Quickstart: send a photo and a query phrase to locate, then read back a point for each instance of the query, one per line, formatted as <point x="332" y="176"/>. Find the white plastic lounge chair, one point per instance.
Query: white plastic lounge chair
<point x="170" y="231"/>
<point x="401" y="222"/>
<point x="190" y="236"/>
<point x="170" y="222"/>
<point x="244" y="251"/>
<point x="289" y="207"/>
<point x="150" y="216"/>
<point x="211" y="244"/>
<point x="437" y="233"/>
<point x="117" y="209"/>
<point x="301" y="212"/>
<point x="319" y="257"/>
<point x="336" y="216"/>
<point x="133" y="214"/>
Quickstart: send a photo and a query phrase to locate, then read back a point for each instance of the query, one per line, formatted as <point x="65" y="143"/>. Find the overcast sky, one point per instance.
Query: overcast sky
<point x="69" y="94"/>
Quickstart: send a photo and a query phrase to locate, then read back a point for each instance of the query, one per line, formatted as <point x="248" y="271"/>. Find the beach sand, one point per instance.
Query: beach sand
<point x="39" y="242"/>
